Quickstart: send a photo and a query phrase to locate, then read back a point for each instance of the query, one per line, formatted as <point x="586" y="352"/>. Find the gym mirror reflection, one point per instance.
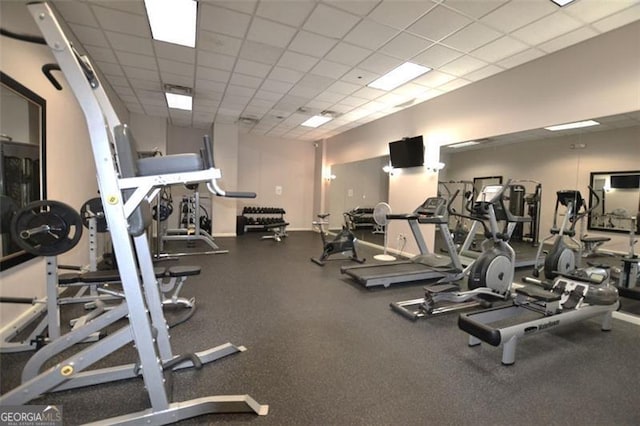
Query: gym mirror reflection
<point x="356" y="188"/>
<point x="22" y="165"/>
<point x="619" y="200"/>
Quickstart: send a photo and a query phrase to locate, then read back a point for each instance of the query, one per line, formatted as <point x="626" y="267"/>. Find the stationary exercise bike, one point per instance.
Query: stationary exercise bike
<point x="344" y="242"/>
<point x="562" y="258"/>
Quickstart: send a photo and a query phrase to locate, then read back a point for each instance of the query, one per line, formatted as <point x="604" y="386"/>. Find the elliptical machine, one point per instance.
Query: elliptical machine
<point x="344" y="242"/>
<point x="562" y="258"/>
<point x="491" y="274"/>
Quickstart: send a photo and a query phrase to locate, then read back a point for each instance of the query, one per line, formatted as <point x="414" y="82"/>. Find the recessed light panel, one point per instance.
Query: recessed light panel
<point x="399" y="76"/>
<point x="317" y="121"/>
<point x="179" y="101"/>
<point x="173" y="21"/>
<point x="576" y="125"/>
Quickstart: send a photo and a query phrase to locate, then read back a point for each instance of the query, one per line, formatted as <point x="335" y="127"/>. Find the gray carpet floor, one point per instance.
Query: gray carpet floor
<point x="323" y="350"/>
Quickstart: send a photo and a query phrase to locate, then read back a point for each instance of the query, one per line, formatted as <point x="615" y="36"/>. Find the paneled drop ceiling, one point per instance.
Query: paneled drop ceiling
<point x="269" y="65"/>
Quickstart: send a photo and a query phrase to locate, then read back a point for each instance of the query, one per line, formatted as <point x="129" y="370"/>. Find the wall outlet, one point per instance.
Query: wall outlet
<point x="278" y="190"/>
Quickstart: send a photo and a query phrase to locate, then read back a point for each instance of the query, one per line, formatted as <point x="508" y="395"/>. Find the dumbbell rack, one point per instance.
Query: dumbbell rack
<point x="258" y="217"/>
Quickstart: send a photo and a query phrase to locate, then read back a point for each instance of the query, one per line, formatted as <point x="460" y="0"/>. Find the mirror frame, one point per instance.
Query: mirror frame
<point x="19" y="257"/>
<point x="592" y="175"/>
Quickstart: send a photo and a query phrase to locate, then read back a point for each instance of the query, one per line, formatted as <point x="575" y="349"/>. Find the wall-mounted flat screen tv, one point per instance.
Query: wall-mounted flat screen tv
<point x="408" y="152"/>
<point x="625" y="181"/>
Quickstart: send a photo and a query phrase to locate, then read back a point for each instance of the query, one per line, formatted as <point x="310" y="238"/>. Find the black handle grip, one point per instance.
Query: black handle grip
<point x="46" y="70"/>
<point x="236" y="194"/>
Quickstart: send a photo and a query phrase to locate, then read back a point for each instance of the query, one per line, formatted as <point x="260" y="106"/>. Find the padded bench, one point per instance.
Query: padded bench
<point x="278" y="229"/>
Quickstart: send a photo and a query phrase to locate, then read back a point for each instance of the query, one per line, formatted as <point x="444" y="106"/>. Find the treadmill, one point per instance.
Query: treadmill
<point x="426" y="265"/>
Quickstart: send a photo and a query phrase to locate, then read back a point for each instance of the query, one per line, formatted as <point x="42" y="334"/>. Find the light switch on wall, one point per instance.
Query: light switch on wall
<point x="350" y="193"/>
<point x="278" y="190"/>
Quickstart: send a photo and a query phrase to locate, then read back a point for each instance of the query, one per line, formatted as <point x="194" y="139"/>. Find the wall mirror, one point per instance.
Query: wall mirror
<point x="22" y="160"/>
<point x="618" y="200"/>
<point x="358" y="185"/>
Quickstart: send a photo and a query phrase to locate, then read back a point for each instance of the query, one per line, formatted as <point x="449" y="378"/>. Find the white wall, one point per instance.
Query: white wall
<point x="266" y="163"/>
<point x="595" y="78"/>
<point x="69" y="160"/>
<point x="553" y="163"/>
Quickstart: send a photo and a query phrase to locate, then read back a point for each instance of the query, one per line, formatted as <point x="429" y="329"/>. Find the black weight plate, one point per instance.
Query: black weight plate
<point x="93" y="208"/>
<point x="46" y="228"/>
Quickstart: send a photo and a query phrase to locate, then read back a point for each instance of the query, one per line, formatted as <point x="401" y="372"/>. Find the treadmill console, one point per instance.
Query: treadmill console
<point x="432" y="207"/>
<point x="489" y="194"/>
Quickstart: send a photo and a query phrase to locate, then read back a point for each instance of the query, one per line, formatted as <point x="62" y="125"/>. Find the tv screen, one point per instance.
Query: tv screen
<point x="625" y="181"/>
<point x="408" y="152"/>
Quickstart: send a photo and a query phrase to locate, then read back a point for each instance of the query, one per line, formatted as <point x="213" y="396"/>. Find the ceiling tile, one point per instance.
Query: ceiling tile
<point x="499" y="49"/>
<point x="568" y="39"/>
<point x="129" y="43"/>
<point x="245" y="81"/>
<point x="348" y="54"/>
<point x="215" y="60"/>
<point x="148" y="97"/>
<point x="328" y="96"/>
<point x="304" y="92"/>
<point x="400" y="14"/>
<point x="474" y="8"/>
<point x="175" y="67"/>
<point x="546" y="28"/>
<point x="518" y="13"/>
<point x="358" y="7"/>
<point x="319" y="105"/>
<point x="353" y="101"/>
<point x="211" y="74"/>
<point x="453" y="85"/>
<point x="405" y="46"/>
<point x="89" y="35"/>
<point x="434" y="79"/>
<point x="175" y="52"/>
<point x="267" y="95"/>
<point x="245" y="6"/>
<point x="154" y="84"/>
<point x="136" y="60"/>
<point x="260" y="52"/>
<point x="471" y="37"/>
<point x="285" y="74"/>
<point x="239" y="91"/>
<point x="462" y="66"/>
<point x="219" y="43"/>
<point x="212" y="89"/>
<point x="618" y="19"/>
<point x="330" y="22"/>
<point x="136" y="7"/>
<point x="343" y="88"/>
<point x="593" y="10"/>
<point x="288" y="12"/>
<point x="439" y="23"/>
<point x="380" y="63"/>
<point x="370" y="34"/>
<point x="79" y="13"/>
<point x="276" y="86"/>
<point x="368" y="93"/>
<point x="297" y="61"/>
<point x="123" y="91"/>
<point x="330" y="69"/>
<point x="316" y="81"/>
<point x="102" y="54"/>
<point x="155" y="111"/>
<point x="483" y="73"/>
<point x="359" y="76"/>
<point x="436" y="56"/>
<point x="122" y="22"/>
<point x="520" y="58"/>
<point x="270" y="33"/>
<point x="311" y="44"/>
<point x="255" y="69"/>
<point x="109" y="69"/>
<point x="141" y="74"/>
<point x="224" y="21"/>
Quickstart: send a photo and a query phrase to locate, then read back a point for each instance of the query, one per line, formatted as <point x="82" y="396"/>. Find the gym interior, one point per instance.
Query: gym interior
<point x="233" y="222"/>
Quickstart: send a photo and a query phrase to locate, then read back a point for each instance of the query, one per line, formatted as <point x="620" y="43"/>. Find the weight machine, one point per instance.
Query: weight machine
<point x="193" y="226"/>
<point x="126" y="187"/>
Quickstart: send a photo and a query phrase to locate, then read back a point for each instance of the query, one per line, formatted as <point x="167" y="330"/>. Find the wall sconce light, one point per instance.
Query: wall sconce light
<point x="435" y="167"/>
<point x="388" y="169"/>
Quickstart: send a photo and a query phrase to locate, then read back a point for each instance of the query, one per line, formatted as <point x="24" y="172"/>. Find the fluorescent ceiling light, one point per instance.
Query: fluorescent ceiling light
<point x="463" y="144"/>
<point x="317" y="121"/>
<point x="179" y="101"/>
<point x="576" y="125"/>
<point x="173" y="21"/>
<point x="562" y="2"/>
<point x="399" y="76"/>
